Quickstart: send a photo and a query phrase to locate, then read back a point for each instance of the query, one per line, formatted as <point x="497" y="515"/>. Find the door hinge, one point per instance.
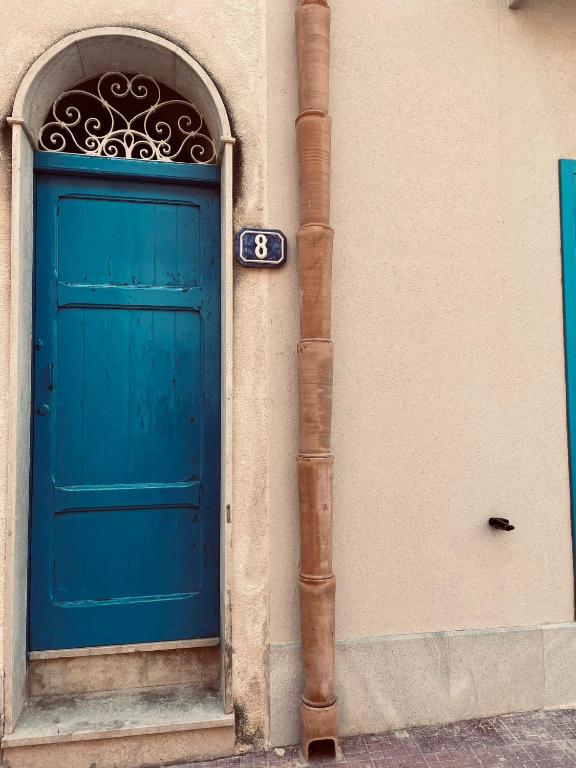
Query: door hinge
<point x="228" y="513"/>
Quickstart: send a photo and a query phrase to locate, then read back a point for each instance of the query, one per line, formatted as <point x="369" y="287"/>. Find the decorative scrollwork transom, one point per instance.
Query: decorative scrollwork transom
<point x="127" y="115"/>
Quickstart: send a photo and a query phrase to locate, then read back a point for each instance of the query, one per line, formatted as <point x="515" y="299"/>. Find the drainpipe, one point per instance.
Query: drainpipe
<point x="315" y="352"/>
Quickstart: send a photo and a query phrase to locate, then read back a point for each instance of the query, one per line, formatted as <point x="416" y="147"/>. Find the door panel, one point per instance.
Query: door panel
<point x="140" y="405"/>
<point x="126" y="456"/>
<point x="108" y="554"/>
<point x="118" y="229"/>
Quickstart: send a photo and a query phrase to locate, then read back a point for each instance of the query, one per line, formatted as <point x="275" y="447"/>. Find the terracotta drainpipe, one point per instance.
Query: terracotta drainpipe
<point x="315" y="352"/>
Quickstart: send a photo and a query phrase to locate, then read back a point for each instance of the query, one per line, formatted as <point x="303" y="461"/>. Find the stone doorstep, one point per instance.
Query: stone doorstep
<point x="115" y="714"/>
<point x="140" y="667"/>
<point x="141" y="751"/>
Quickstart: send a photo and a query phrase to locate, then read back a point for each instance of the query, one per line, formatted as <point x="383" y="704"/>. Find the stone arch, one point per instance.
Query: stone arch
<point x="91" y="52"/>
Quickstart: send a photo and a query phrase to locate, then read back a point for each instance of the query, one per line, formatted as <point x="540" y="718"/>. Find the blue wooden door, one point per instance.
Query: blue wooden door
<point x="126" y="403"/>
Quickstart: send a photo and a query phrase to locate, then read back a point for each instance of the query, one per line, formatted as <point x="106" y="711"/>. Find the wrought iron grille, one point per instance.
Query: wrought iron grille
<point x="121" y="114"/>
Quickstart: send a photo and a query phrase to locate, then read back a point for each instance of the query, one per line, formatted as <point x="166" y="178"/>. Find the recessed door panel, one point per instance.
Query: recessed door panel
<point x="128" y="394"/>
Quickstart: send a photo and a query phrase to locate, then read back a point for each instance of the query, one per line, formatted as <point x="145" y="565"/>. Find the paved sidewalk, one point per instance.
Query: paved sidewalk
<point x="530" y="740"/>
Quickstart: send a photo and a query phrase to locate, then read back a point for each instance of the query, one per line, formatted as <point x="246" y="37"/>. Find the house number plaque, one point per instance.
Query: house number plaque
<point x="261" y="247"/>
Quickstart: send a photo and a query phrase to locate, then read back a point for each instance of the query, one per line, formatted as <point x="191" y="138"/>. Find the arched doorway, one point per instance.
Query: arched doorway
<point x="124" y="533"/>
<point x="98" y="179"/>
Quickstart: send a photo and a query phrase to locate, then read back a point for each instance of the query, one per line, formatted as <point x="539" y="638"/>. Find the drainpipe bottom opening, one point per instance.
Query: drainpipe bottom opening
<point x="322" y="749"/>
<point x="319" y="731"/>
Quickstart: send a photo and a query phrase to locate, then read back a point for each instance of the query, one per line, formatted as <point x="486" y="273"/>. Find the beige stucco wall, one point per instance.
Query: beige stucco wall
<point x="449" y="118"/>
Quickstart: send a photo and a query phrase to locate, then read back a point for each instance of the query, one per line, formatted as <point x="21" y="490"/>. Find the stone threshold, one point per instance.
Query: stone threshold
<point x="115" y="714"/>
<point x="103" y="650"/>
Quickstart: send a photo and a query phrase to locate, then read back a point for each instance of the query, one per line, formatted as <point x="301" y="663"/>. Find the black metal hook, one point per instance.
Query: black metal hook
<point x="502" y="523"/>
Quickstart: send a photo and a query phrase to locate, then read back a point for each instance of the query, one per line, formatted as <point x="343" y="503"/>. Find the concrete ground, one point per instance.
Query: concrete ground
<point x="528" y="740"/>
